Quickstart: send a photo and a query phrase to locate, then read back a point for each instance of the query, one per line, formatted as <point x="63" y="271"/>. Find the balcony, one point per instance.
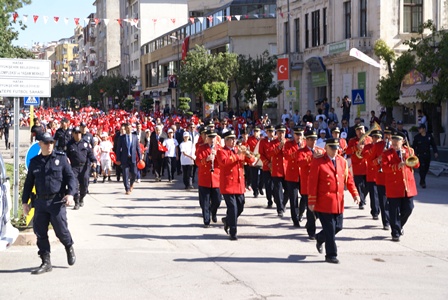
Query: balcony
<point x="361" y="43"/>
<point x="296" y="61"/>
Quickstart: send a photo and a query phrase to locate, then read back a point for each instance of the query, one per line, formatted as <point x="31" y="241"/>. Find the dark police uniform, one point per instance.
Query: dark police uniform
<point x="62" y="137"/>
<point x="53" y="178"/>
<point x="88" y="137"/>
<point x="80" y="154"/>
<point x="422" y="147"/>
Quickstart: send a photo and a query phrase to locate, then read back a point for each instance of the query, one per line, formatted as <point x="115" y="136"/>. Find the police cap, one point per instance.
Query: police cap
<point x="45" y="137"/>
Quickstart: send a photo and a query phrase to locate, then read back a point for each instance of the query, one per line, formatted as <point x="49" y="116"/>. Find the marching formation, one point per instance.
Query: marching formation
<point x="296" y="162"/>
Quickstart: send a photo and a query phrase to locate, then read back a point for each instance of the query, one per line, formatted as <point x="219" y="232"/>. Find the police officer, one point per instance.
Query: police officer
<point x="63" y="135"/>
<point x="55" y="185"/>
<point x="80" y="154"/>
<point x="86" y="135"/>
<point x="422" y="144"/>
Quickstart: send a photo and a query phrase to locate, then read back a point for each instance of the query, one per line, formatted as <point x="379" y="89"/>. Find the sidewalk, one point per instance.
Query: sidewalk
<point x="151" y="245"/>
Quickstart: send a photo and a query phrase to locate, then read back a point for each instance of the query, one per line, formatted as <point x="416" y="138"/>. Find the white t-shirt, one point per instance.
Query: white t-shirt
<point x="106" y="147"/>
<point x="171" y="145"/>
<point x="186" y="147"/>
<point x="284" y="117"/>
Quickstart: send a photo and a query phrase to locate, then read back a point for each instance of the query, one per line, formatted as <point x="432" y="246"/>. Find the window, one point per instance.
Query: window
<point x="315" y="28"/>
<point x="287" y="37"/>
<point x="347" y="19"/>
<point x="412" y="15"/>
<point x="362" y="18"/>
<point x="307" y="32"/>
<point x="324" y="19"/>
<point x="297" y="35"/>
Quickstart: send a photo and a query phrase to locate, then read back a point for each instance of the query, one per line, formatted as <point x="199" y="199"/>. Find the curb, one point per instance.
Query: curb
<point x="28" y="238"/>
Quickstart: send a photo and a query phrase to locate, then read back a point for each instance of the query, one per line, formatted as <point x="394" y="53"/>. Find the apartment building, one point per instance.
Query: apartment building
<point x="144" y="20"/>
<point x="239" y="26"/>
<point x="317" y="35"/>
<point x="65" y="60"/>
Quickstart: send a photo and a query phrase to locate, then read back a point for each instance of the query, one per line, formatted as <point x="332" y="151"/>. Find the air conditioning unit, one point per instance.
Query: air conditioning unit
<point x="136" y="36"/>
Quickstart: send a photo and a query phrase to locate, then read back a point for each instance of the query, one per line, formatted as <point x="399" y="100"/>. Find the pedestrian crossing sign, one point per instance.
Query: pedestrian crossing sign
<point x="31" y="100"/>
<point x="358" y="97"/>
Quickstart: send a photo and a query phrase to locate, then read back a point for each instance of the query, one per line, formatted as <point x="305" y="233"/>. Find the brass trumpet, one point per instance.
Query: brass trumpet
<point x="246" y="151"/>
<point x="375" y="126"/>
<point x="412" y="160"/>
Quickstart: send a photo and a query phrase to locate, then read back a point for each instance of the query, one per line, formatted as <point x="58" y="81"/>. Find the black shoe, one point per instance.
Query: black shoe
<point x="76" y="207"/>
<point x="95" y="181"/>
<point x="261" y="192"/>
<point x="361" y="206"/>
<point x="45" y="266"/>
<point x="375" y="217"/>
<point x="71" y="258"/>
<point x="233" y="238"/>
<point x="108" y="179"/>
<point x="300" y="218"/>
<point x="206" y="225"/>
<point x="386" y="227"/>
<point x="81" y="203"/>
<point x="104" y="179"/>
<point x="395" y="239"/>
<point x="118" y="178"/>
<point x="332" y="260"/>
<point x="214" y="219"/>
<point x="312" y="237"/>
<point x="423" y="185"/>
<point x="296" y="224"/>
<point x="191" y="187"/>
<point x="226" y="227"/>
<point x="319" y="247"/>
<point x="269" y="205"/>
<point x="255" y="195"/>
<point x="280" y="214"/>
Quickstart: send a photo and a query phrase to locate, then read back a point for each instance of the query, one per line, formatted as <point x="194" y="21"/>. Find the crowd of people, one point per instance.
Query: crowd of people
<point x="306" y="160"/>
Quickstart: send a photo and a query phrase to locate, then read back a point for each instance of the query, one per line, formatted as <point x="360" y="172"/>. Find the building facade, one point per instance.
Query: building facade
<point x="240" y="27"/>
<point x="317" y="36"/>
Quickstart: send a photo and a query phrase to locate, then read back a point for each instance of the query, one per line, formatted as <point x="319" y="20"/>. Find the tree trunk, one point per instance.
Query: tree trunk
<point x="260" y="107"/>
<point x="435" y="123"/>
<point x="389" y="115"/>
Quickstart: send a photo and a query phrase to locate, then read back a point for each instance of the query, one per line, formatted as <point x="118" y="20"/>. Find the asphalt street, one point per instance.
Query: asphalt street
<point x="152" y="245"/>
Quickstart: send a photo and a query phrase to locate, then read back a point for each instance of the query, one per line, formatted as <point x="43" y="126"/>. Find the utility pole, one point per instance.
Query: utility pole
<point x="177" y="66"/>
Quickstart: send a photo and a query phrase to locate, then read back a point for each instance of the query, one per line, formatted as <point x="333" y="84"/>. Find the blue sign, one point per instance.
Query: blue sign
<point x="33" y="151"/>
<point x="358" y="97"/>
<point x="31" y="100"/>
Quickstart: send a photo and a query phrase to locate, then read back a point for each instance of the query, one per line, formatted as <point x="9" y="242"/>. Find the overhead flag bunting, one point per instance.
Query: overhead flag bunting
<point x="45" y="20"/>
<point x="56" y="19"/>
<point x="76" y="21"/>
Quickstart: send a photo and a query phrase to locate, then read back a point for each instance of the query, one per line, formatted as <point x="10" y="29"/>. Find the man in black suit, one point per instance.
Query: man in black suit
<point x="128" y="155"/>
<point x="154" y="153"/>
<point x="178" y="135"/>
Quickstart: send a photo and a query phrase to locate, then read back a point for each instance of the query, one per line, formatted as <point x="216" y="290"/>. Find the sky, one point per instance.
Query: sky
<point x="45" y="33"/>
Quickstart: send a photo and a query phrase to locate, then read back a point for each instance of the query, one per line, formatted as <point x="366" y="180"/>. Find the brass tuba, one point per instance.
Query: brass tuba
<point x="375" y="126"/>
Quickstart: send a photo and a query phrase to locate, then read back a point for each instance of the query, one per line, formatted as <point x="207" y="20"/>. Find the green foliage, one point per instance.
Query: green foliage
<point x="146" y="104"/>
<point x="201" y="67"/>
<point x="7" y="33"/>
<point x="384" y="52"/>
<point x="256" y="79"/>
<point x="215" y="92"/>
<point x="184" y="105"/>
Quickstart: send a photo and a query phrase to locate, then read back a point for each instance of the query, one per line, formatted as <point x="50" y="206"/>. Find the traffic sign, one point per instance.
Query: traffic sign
<point x="358" y="97"/>
<point x="31" y="101"/>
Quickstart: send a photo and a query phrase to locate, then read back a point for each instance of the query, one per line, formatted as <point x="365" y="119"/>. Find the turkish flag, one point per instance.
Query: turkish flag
<point x="282" y="69"/>
<point x="185" y="47"/>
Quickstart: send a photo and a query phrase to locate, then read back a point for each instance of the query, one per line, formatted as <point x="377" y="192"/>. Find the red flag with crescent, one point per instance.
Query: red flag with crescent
<point x="185" y="46"/>
<point x="282" y="69"/>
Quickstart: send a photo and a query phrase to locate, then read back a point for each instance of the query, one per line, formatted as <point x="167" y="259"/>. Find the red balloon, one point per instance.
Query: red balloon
<point x="141" y="165"/>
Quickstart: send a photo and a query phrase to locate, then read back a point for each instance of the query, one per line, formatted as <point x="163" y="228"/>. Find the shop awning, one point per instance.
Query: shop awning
<point x="409" y="93"/>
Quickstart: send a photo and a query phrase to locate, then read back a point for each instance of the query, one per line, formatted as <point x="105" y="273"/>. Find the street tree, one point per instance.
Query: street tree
<point x="202" y="67"/>
<point x="431" y="52"/>
<point x="256" y="79"/>
<point x="184" y="105"/>
<point x="388" y="88"/>
<point x="7" y="33"/>
<point x="215" y="92"/>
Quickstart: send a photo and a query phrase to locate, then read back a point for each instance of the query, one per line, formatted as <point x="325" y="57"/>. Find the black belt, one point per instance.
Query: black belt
<point x="79" y="165"/>
<point x="48" y="196"/>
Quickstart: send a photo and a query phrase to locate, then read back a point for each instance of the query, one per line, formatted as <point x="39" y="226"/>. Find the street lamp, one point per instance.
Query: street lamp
<point x="177" y="65"/>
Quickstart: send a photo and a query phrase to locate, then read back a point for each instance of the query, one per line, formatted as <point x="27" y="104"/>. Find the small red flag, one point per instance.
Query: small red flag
<point x="77" y="21"/>
<point x="185" y="46"/>
<point x="35" y="18"/>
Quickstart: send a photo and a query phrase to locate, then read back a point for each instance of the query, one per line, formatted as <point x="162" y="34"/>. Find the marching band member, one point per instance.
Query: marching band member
<point x="359" y="163"/>
<point x="400" y="183"/>
<point x="292" y="172"/>
<point x="265" y="145"/>
<point x="208" y="178"/>
<point x="255" y="170"/>
<point x="335" y="133"/>
<point x="329" y="173"/>
<point x="231" y="180"/>
<point x="278" y="168"/>
<point x="372" y="170"/>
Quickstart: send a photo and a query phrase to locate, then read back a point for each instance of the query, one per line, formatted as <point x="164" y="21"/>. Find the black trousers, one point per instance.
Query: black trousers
<point x="118" y="171"/>
<point x="399" y="209"/>
<point x="247" y="179"/>
<point x="331" y="225"/>
<point x="82" y="174"/>
<point x="235" y="206"/>
<point x="6" y="134"/>
<point x="311" y="217"/>
<point x="267" y="184"/>
<point x="255" y="180"/>
<point x="277" y="193"/>
<point x="210" y="201"/>
<point x="46" y="212"/>
<point x="424" y="168"/>
<point x="373" y="194"/>
<point x="360" y="182"/>
<point x="170" y="163"/>
<point x="129" y="174"/>
<point x="187" y="175"/>
<point x="158" y="165"/>
<point x="384" y="204"/>
<point x="293" y="195"/>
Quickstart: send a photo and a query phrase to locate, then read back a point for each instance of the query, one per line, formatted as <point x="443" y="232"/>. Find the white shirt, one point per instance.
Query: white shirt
<point x="320" y="142"/>
<point x="171" y="145"/>
<point x="284" y="117"/>
<point x="186" y="147"/>
<point x="106" y="147"/>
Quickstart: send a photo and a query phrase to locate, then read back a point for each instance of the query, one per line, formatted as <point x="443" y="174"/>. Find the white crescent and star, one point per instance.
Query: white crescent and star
<point x="282" y="69"/>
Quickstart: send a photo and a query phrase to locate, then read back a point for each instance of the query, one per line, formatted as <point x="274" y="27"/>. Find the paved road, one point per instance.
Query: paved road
<point x="151" y="245"/>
